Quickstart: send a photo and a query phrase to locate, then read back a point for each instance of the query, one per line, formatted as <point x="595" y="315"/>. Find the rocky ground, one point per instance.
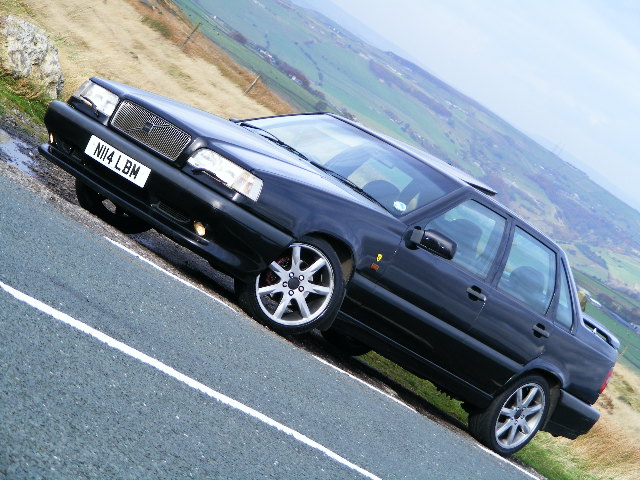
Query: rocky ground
<point x="25" y="135"/>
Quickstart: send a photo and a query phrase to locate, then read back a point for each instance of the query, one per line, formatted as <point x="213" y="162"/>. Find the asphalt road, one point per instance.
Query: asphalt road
<point x="113" y="368"/>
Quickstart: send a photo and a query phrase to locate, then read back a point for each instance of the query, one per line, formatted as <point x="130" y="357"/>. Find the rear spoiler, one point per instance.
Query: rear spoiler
<point x="601" y="331"/>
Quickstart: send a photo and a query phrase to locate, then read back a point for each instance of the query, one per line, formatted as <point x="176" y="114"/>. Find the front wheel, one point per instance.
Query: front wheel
<point x="513" y="417"/>
<point x="301" y="290"/>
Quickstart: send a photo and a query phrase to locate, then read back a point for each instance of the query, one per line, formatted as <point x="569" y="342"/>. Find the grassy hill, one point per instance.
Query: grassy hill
<point x="317" y="65"/>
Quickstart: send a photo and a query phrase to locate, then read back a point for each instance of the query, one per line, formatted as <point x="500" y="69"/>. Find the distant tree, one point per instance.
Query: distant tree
<point x="238" y="37"/>
<point x="292" y="72"/>
<point x="321" y="106"/>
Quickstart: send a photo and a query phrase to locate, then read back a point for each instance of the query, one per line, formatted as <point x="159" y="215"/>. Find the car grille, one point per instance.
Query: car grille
<point x="150" y="129"/>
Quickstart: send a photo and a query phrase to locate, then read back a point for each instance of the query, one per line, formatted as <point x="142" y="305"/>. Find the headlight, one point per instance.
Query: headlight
<point x="227" y="172"/>
<point x="98" y="97"/>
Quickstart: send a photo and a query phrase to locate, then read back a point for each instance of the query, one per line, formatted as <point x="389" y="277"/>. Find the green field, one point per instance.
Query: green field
<point x="623" y="267"/>
<point x="382" y="90"/>
<point x="629" y="339"/>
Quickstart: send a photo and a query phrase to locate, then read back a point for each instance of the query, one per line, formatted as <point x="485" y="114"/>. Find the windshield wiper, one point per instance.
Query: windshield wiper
<point x="271" y="137"/>
<point x="349" y="183"/>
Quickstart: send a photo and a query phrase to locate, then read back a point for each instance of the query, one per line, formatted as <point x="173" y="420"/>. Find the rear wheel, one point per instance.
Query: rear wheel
<point x="301" y="290"/>
<point x="513" y="417"/>
<point x="105" y="209"/>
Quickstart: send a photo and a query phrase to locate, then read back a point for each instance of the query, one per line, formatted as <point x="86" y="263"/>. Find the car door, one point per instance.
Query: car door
<point x="427" y="303"/>
<point x="513" y="327"/>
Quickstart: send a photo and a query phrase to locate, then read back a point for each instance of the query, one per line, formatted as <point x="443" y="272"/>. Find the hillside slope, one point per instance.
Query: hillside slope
<point x="126" y="50"/>
<point x="303" y="53"/>
<point x="141" y="42"/>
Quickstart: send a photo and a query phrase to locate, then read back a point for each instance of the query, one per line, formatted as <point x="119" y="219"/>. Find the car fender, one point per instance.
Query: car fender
<point x="551" y="371"/>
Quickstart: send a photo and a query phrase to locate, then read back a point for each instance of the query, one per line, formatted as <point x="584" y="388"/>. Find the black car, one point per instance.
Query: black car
<point x="325" y="224"/>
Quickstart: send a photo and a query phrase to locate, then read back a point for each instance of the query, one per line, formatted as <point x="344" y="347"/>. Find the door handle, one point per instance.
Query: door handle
<point x="476" y="294"/>
<point x="539" y="330"/>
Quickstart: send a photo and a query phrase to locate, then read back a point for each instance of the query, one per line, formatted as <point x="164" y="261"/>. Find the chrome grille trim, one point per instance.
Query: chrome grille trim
<point x="151" y="130"/>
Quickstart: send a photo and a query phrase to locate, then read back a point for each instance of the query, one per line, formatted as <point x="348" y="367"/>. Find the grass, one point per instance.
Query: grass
<point x="271" y="76"/>
<point x="15" y="7"/>
<point x="629" y="340"/>
<point x="159" y="26"/>
<point x="420" y="387"/>
<point x="175" y="27"/>
<point x="625" y="268"/>
<point x="22" y="95"/>
<point x="550" y="459"/>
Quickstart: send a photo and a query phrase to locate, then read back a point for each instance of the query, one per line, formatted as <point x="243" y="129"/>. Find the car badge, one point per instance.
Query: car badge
<point x="148" y="127"/>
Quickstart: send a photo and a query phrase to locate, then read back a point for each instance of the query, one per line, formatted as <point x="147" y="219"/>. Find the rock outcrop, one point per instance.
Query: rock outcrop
<point x="26" y="51"/>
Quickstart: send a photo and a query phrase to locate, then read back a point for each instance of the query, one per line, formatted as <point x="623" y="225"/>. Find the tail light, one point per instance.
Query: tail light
<point x="606" y="381"/>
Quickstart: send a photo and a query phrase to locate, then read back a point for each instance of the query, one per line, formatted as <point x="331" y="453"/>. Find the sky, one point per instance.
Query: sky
<point x="565" y="72"/>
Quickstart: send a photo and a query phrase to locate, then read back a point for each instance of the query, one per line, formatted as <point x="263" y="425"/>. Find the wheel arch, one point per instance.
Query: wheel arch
<point x="343" y="250"/>
<point x="553" y="379"/>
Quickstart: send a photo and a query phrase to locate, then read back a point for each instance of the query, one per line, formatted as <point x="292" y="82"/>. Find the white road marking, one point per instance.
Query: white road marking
<point x="390" y="397"/>
<point x="220" y="397"/>
<point x="482" y="447"/>
<point x="175" y="277"/>
<point x="529" y="474"/>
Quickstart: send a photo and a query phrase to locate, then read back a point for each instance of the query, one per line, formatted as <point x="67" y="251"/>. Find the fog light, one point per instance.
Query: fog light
<point x="199" y="228"/>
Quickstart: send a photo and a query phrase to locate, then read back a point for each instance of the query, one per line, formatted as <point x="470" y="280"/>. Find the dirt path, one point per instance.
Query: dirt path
<point x="106" y="38"/>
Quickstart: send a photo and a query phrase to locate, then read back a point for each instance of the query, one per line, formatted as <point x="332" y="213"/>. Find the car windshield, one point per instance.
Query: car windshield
<point x="398" y="181"/>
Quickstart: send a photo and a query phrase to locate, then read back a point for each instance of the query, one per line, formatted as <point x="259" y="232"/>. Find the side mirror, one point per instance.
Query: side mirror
<point x="434" y="242"/>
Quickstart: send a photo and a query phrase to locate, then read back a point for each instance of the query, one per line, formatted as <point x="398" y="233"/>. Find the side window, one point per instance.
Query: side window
<point x="477" y="231"/>
<point x="530" y="272"/>
<point x="564" y="313"/>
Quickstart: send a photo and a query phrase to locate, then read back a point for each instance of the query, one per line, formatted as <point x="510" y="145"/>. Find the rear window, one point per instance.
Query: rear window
<point x="564" y="312"/>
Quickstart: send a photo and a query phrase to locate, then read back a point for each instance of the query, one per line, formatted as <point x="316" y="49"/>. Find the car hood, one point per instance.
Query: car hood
<point x="239" y="144"/>
<point x="201" y="124"/>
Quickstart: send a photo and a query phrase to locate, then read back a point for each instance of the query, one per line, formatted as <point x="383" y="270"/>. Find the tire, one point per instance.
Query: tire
<point x="345" y="344"/>
<point x="514" y="416"/>
<point x="111" y="213"/>
<point x="300" y="291"/>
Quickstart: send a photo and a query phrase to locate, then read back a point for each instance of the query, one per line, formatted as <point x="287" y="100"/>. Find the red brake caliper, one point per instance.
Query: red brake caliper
<point x="270" y="277"/>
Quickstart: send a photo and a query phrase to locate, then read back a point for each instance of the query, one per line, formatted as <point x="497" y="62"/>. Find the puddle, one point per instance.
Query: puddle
<point x="11" y="147"/>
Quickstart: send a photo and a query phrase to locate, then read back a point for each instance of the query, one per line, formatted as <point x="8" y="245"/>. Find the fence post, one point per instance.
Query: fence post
<point x="189" y="36"/>
<point x="253" y="84"/>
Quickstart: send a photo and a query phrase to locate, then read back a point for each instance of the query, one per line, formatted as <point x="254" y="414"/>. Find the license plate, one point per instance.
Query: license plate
<point x="118" y="162"/>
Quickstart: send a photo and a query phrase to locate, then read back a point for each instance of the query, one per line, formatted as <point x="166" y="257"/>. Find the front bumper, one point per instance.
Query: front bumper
<point x="237" y="241"/>
<point x="571" y="417"/>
